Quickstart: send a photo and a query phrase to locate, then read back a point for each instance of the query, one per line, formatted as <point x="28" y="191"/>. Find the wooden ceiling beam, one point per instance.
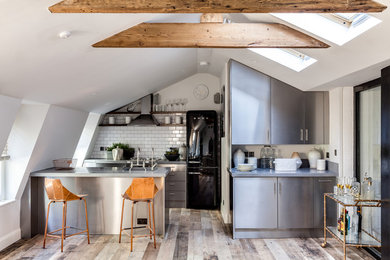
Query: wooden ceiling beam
<point x="217" y="6"/>
<point x="210" y="35"/>
<point x="211" y="18"/>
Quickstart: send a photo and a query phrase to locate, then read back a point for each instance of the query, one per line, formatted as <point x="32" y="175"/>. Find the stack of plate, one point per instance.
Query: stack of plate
<point x="246" y="167"/>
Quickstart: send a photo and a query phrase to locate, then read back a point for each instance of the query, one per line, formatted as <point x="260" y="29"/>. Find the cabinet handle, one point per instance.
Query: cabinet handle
<point x="268" y="136"/>
<point x="324" y="180"/>
<point x="275" y="189"/>
<point x="301" y="134"/>
<point x="280" y="188"/>
<point x="307" y="134"/>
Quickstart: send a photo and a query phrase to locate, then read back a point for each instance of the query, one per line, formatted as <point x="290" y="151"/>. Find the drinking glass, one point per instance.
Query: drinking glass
<point x="168" y="103"/>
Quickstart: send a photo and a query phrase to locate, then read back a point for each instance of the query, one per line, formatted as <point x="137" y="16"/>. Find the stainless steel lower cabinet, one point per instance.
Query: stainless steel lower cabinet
<point x="255" y="203"/>
<point x="279" y="207"/>
<point x="295" y="203"/>
<point x="175" y="185"/>
<point x="321" y="186"/>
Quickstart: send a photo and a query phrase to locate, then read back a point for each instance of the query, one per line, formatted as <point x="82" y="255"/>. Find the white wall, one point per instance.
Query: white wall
<point x="8" y="109"/>
<point x="40" y="134"/>
<point x="225" y="155"/>
<point x="9" y="223"/>
<point x="160" y="138"/>
<point x="88" y="136"/>
<point x="342" y="125"/>
<point x="21" y="143"/>
<point x="59" y="136"/>
<point x="184" y="89"/>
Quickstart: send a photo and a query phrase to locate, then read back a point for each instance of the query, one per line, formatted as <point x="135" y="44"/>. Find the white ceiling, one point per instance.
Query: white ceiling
<point x="35" y="64"/>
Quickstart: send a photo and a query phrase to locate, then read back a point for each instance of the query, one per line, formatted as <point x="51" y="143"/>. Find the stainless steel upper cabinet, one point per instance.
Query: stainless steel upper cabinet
<point x="287" y="114"/>
<point x="250" y="101"/>
<point x="316" y="117"/>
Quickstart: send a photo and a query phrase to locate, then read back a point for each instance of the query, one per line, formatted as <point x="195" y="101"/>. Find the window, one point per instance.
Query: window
<point x="338" y="28"/>
<point x="3" y="158"/>
<point x="287" y="57"/>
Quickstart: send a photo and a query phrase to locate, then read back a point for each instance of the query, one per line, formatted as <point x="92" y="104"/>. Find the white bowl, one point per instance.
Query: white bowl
<point x="246" y="167"/>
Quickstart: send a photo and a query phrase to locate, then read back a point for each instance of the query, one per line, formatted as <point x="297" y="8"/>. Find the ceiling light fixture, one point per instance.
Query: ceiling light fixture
<point x="64" y="34"/>
<point x="204" y="63"/>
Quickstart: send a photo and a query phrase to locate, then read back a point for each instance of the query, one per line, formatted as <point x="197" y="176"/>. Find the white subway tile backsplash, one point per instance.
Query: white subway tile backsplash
<point x="160" y="138"/>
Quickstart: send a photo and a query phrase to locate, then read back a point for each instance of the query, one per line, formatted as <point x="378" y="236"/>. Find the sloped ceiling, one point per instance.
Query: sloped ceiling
<point x="35" y="64"/>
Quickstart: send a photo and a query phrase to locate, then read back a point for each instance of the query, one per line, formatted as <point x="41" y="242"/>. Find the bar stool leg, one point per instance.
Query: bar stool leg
<point x="149" y="221"/>
<point x="47" y="220"/>
<point x="131" y="235"/>
<point x="63" y="223"/>
<point x="120" y="233"/>
<point x="154" y="229"/>
<point x="66" y="212"/>
<point x="86" y="218"/>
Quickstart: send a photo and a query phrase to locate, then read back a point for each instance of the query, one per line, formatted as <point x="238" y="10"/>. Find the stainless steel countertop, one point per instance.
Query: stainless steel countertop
<point x="105" y="161"/>
<point x="105" y="172"/>
<point x="302" y="172"/>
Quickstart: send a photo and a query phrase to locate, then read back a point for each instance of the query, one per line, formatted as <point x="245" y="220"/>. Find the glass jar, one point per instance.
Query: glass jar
<point x="368" y="192"/>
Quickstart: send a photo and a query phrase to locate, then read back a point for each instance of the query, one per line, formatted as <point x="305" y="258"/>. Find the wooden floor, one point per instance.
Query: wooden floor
<point x="193" y="234"/>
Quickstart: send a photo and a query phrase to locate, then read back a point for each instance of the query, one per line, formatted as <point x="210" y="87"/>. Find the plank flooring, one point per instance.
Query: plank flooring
<point x="192" y="234"/>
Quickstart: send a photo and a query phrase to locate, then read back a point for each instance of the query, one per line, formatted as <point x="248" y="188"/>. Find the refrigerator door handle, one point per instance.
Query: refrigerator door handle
<point x="194" y="173"/>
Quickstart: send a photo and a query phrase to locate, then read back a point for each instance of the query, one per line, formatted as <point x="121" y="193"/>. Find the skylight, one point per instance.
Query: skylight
<point x="338" y="28"/>
<point x="288" y="57"/>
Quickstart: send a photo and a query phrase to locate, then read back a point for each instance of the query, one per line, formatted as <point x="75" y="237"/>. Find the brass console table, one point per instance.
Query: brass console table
<point x="364" y="239"/>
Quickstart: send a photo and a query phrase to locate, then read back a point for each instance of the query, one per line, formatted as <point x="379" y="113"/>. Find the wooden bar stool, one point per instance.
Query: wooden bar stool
<point x="140" y="190"/>
<point x="56" y="192"/>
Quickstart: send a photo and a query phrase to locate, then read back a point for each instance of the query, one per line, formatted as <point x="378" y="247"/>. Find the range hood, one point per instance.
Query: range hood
<point x="146" y="118"/>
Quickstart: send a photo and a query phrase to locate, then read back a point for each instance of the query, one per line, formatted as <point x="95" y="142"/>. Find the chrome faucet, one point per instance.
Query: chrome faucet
<point x="153" y="164"/>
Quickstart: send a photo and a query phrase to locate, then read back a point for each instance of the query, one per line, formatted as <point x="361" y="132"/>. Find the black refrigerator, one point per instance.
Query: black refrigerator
<point x="202" y="159"/>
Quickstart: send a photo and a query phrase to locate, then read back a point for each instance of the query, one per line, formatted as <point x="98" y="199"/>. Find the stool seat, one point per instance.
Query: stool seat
<point x="56" y="192"/>
<point x="140" y="190"/>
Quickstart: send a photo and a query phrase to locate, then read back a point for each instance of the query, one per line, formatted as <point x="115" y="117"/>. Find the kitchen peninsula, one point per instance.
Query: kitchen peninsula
<point x="104" y="186"/>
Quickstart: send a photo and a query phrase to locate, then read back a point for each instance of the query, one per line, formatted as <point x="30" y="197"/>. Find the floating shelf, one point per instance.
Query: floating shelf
<point x="169" y="112"/>
<point x="113" y="125"/>
<point x="123" y="113"/>
<point x="172" y="125"/>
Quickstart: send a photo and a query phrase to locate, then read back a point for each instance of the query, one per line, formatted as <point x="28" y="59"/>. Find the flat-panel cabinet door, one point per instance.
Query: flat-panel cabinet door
<point x="255" y="202"/>
<point x="295" y="202"/>
<point x="314" y="117"/>
<point x="250" y="101"/>
<point x="322" y="186"/>
<point x="287" y="114"/>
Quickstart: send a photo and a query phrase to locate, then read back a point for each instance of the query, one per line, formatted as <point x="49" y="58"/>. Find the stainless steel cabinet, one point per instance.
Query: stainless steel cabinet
<point x="175" y="192"/>
<point x="250" y="101"/>
<point x="316" y="117"/>
<point x="321" y="186"/>
<point x="295" y="202"/>
<point x="287" y="114"/>
<point x="255" y="203"/>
